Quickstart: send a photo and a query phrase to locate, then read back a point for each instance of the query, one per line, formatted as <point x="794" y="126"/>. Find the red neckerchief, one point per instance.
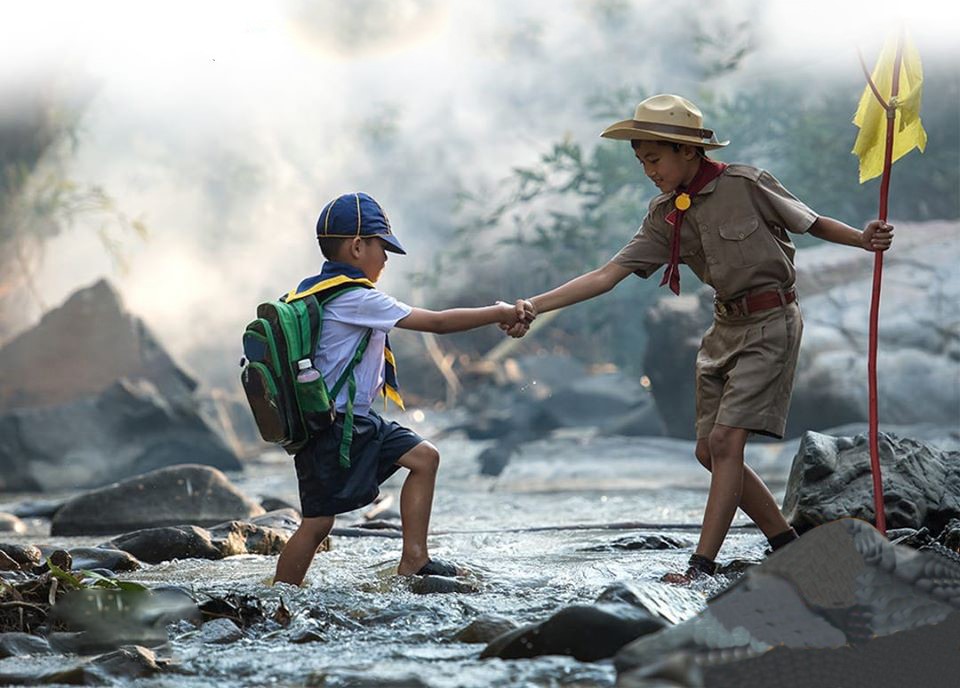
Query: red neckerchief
<point x="706" y="173"/>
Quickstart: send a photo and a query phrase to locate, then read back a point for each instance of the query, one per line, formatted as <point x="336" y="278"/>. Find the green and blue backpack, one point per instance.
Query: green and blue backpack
<point x="288" y="411"/>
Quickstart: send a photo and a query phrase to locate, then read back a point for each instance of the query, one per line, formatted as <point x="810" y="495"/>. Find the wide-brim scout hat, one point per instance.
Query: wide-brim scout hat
<point x="665" y="117"/>
<point x="357" y="215"/>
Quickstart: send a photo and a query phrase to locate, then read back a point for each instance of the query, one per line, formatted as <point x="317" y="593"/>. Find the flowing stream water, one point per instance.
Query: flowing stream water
<point x="378" y="632"/>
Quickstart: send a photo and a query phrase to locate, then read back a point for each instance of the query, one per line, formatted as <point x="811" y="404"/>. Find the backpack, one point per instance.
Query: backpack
<point x="287" y="411"/>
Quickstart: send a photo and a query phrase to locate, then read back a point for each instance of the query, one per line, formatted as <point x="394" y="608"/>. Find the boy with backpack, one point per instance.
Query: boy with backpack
<point x="729" y="224"/>
<point x="330" y="338"/>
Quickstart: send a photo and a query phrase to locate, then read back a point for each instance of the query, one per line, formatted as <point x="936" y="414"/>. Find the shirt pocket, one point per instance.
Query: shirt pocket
<point x="741" y="244"/>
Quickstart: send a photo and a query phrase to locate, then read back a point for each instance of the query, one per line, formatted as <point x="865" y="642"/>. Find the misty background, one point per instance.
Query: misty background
<point x="184" y="150"/>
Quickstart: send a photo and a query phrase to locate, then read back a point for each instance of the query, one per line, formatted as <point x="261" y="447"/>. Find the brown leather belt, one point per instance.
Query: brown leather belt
<point x="753" y="303"/>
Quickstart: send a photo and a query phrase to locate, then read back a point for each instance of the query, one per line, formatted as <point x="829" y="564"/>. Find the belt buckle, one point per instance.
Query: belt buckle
<point x="721" y="308"/>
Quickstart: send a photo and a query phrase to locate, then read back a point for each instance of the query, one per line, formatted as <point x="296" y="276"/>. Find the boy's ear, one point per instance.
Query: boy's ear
<point x="689" y="152"/>
<point x="356" y="244"/>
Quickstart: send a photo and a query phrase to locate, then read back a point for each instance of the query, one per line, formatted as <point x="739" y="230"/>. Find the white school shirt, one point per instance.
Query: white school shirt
<point x="346" y="320"/>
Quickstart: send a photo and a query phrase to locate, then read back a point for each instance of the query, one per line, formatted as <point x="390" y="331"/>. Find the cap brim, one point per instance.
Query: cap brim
<point x="627" y="130"/>
<point x="393" y="244"/>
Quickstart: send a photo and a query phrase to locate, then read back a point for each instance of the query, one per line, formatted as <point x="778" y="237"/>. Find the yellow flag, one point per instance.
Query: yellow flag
<point x="872" y="119"/>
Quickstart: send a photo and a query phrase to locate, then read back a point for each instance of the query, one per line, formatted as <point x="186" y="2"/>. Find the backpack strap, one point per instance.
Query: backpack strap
<point x="348" y="378"/>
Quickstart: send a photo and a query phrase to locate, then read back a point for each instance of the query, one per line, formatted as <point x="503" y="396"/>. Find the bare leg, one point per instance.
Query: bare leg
<point x="726" y="487"/>
<point x="756" y="500"/>
<point x="416" y="502"/>
<point x="298" y="552"/>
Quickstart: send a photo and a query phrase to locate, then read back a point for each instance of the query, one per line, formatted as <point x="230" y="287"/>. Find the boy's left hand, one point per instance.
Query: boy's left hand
<point x="877" y="236"/>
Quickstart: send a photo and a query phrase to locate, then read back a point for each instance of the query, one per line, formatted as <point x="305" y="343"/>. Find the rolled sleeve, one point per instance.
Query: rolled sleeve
<point x="646" y="251"/>
<point x="780" y="207"/>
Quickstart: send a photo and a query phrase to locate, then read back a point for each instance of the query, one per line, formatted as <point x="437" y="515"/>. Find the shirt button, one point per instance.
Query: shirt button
<point x="741" y="235"/>
<point x="712" y="260"/>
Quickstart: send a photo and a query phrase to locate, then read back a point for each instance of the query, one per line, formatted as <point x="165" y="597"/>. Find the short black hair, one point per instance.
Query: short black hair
<point x="330" y="246"/>
<point x="676" y="146"/>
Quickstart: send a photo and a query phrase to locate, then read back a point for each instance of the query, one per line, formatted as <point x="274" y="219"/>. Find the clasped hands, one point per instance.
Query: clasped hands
<point x="518" y="318"/>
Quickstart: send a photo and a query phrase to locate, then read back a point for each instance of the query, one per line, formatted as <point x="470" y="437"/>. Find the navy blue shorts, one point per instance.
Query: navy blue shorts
<point x="326" y="488"/>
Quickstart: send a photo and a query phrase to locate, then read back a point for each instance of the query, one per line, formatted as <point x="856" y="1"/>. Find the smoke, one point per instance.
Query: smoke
<point x="227" y="126"/>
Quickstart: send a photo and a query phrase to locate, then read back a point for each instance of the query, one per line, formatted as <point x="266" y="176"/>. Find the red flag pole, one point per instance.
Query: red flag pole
<point x="891" y="109"/>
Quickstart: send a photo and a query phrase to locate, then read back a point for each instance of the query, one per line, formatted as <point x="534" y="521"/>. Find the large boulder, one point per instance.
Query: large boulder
<point x="89" y="396"/>
<point x="82" y="347"/>
<point x="919" y="340"/>
<point x="831" y="478"/>
<point x="128" y="429"/>
<point x="841" y="606"/>
<point x="188" y="494"/>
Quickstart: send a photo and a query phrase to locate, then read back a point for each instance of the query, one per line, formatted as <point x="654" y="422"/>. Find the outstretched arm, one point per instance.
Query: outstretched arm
<point x="876" y="236"/>
<point x="581" y="288"/>
<point x="461" y="319"/>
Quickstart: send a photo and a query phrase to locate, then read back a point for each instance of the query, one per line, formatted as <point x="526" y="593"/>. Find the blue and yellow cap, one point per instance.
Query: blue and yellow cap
<point x="357" y="214"/>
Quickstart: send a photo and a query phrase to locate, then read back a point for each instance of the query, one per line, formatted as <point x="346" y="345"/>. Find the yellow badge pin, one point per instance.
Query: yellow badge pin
<point x="682" y="201"/>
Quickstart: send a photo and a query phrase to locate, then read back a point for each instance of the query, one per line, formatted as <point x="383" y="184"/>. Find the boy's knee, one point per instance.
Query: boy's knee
<point x="721" y="444"/>
<point x="424" y="458"/>
<point x="702" y="452"/>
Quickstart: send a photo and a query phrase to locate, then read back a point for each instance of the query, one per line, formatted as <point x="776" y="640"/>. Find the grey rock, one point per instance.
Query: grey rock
<point x="830" y="479"/>
<point x="25" y="555"/>
<point x="220" y="632"/>
<point x="839" y="602"/>
<point x="103" y="558"/>
<point x="239" y="537"/>
<point x="37" y="508"/>
<point x="155" y="545"/>
<point x="485" y="628"/>
<point x="129" y="661"/>
<point x="11" y="524"/>
<point x="186" y="494"/>
<point x="587" y="633"/>
<point x="641" y="542"/>
<point x="22" y="645"/>
<point x="671" y="603"/>
<point x="38" y="370"/>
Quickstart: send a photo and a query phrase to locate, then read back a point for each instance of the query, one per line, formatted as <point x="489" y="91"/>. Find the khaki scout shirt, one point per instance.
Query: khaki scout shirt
<point x="734" y="235"/>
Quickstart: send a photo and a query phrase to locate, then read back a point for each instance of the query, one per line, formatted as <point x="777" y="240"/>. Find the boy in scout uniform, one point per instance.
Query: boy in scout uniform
<point x="730" y="224"/>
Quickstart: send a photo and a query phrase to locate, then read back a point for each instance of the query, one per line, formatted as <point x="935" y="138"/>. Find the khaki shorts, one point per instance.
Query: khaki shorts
<point x="745" y="369"/>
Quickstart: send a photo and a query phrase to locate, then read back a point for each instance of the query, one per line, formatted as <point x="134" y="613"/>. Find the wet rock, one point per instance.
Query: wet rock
<point x="239" y="537"/>
<point x="22" y="645"/>
<point x="154" y="545"/>
<point x="840" y="604"/>
<point x="8" y="564"/>
<point x="427" y="585"/>
<point x="11" y="524"/>
<point x="287" y="519"/>
<point x="276" y="504"/>
<point x="103" y="558"/>
<point x="950" y="537"/>
<point x="130" y="661"/>
<point x="830" y="479"/>
<point x="671" y="603"/>
<point x="485" y="628"/>
<point x="641" y="542"/>
<point x="643" y="421"/>
<point x="187" y="494"/>
<point x="50" y="670"/>
<point x="307" y="632"/>
<point x="26" y="556"/>
<point x="220" y="632"/>
<point x="587" y="633"/>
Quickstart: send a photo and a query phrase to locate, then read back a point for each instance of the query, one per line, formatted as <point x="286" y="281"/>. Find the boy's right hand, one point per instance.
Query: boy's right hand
<point x="524" y="313"/>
